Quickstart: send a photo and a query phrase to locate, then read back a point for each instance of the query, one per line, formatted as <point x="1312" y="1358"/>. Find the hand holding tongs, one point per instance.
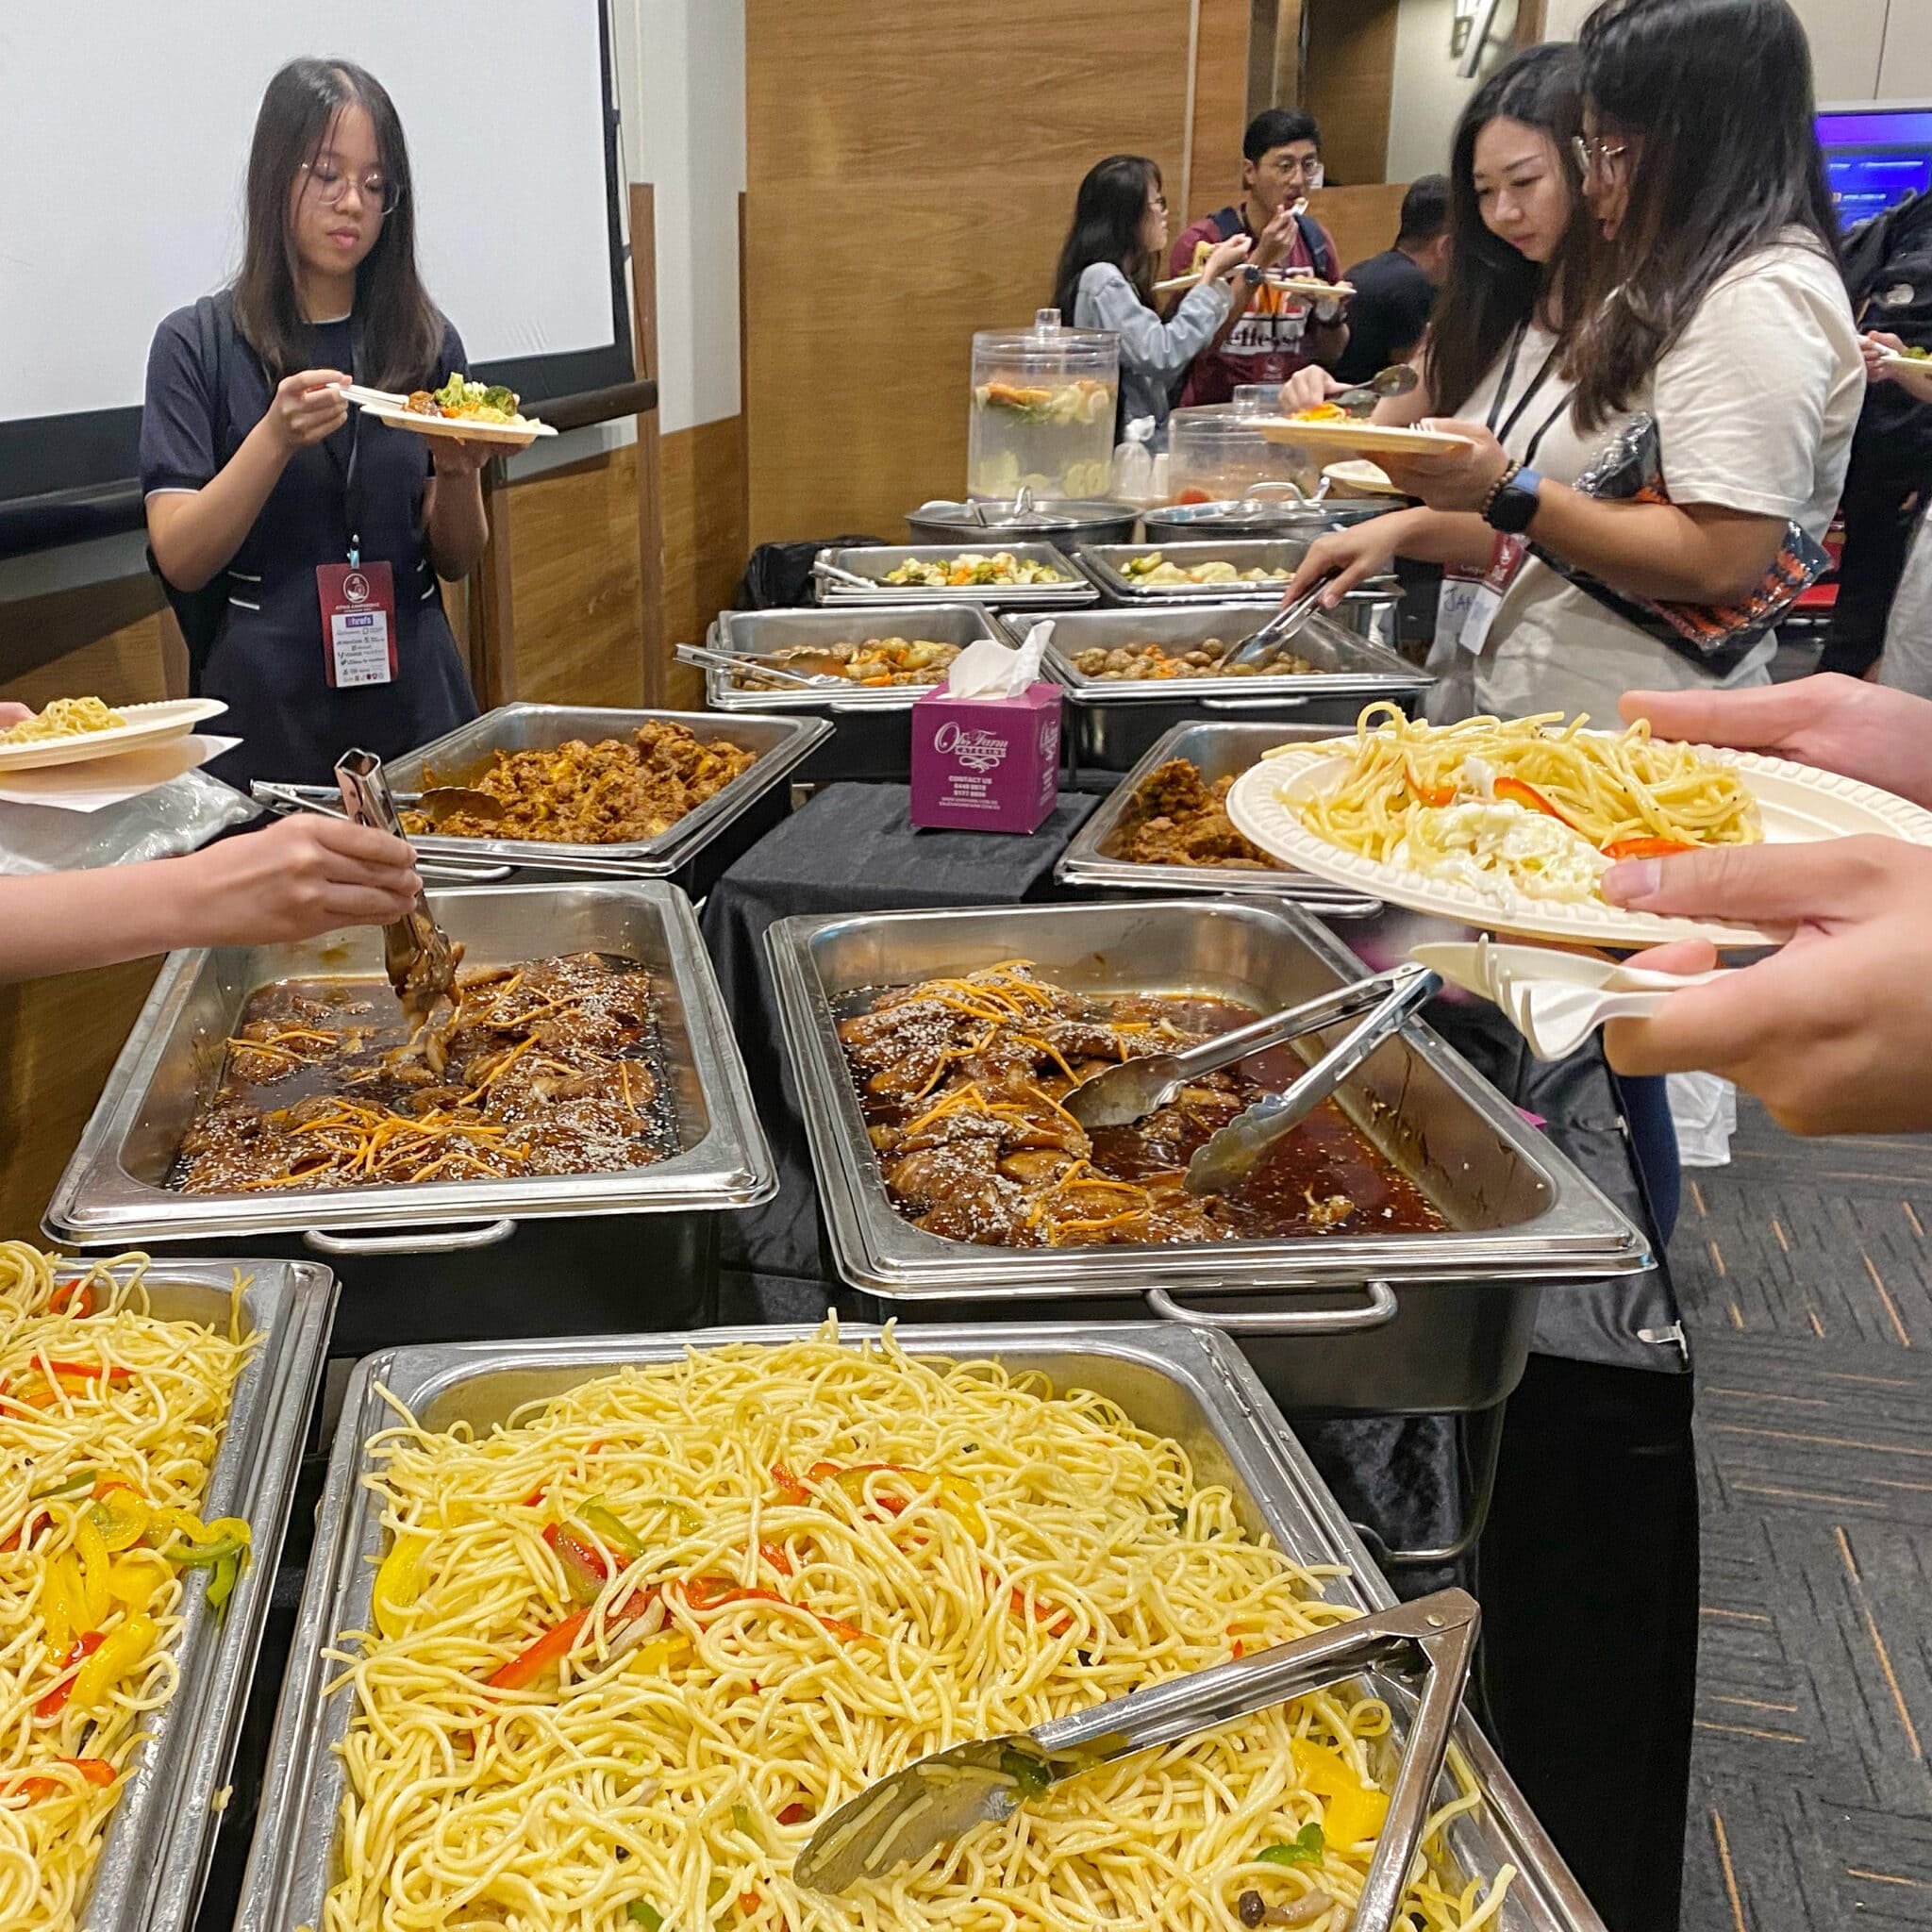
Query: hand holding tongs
<point x="937" y="1799"/>
<point x="417" y="953"/>
<point x="1278" y="629"/>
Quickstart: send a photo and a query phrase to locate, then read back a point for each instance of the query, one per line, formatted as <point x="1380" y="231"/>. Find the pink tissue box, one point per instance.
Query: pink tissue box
<point x="986" y="764"/>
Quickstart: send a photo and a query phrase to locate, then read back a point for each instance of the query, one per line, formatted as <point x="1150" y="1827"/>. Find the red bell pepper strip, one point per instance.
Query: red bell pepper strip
<point x="1057" y="1621"/>
<point x="531" y="1662"/>
<point x="719" y="1593"/>
<point x="75" y="1298"/>
<point x="1645" y="848"/>
<point x="1519" y="792"/>
<point x="55" y="1702"/>
<point x="93" y="1372"/>
<point x="790" y="1489"/>
<point x="795" y="1814"/>
<point x="96" y="1771"/>
<point x="777" y="1559"/>
<point x="1429" y="794"/>
<point x="585" y="1567"/>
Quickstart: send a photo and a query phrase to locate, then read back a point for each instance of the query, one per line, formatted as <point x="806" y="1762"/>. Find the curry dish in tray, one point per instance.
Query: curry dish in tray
<point x="962" y="1082"/>
<point x="614" y="792"/>
<point x="1175" y="817"/>
<point x="552" y="1068"/>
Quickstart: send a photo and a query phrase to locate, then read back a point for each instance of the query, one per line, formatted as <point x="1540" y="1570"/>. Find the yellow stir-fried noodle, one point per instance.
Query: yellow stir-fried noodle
<point x="63" y="718"/>
<point x="1610" y="787"/>
<point x="109" y="1418"/>
<point x="633" y="1644"/>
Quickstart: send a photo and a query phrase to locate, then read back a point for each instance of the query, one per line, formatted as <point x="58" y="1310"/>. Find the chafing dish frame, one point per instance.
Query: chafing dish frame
<point x="874" y="560"/>
<point x="1103" y="563"/>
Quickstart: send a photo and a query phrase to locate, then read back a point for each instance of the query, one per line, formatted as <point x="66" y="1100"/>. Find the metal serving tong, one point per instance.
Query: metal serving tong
<point x="1278" y="629"/>
<point x="755" y="667"/>
<point x="936" y="1800"/>
<point x="416" y="951"/>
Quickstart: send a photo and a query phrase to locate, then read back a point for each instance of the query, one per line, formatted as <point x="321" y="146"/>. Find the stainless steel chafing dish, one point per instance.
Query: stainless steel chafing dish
<point x="1185" y="1384"/>
<point x="1267" y="511"/>
<point x="1104" y="563"/>
<point x="161" y="1835"/>
<point x="1455" y="1336"/>
<point x="873" y="562"/>
<point x="693" y="851"/>
<point x="873" y="735"/>
<point x="1111" y="721"/>
<point x="114" y="1190"/>
<point x="1216" y="751"/>
<point x="1060" y="520"/>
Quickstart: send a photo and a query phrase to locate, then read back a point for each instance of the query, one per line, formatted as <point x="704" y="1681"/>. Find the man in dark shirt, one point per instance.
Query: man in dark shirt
<point x="1396" y="291"/>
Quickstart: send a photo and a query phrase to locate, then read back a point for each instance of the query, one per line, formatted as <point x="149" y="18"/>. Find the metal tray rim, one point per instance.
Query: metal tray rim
<point x="296" y="1808"/>
<point x="724" y="696"/>
<point x="1013" y="596"/>
<point x="96" y="1204"/>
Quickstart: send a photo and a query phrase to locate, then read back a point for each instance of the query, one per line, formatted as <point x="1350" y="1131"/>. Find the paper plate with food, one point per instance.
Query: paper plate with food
<point x="1328" y="426"/>
<point x="1911" y="369"/>
<point x="71" y="731"/>
<point x="1361" y="477"/>
<point x="473" y="411"/>
<point x="1510" y="825"/>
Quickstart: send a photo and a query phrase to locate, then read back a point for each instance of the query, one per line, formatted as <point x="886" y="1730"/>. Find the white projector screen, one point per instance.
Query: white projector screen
<point x="124" y="141"/>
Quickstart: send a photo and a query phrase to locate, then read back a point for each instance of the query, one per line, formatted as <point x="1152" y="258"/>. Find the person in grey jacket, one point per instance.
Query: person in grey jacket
<point x="1106" y="281"/>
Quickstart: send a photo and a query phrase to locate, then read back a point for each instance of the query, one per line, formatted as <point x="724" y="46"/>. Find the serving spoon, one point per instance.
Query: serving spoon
<point x="1396" y="380"/>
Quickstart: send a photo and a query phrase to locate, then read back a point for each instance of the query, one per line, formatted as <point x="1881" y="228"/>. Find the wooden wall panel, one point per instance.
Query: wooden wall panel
<point x="1362" y="220"/>
<point x="1221" y="106"/>
<point x="1347" y="82"/>
<point x="705" y="547"/>
<point x="909" y="181"/>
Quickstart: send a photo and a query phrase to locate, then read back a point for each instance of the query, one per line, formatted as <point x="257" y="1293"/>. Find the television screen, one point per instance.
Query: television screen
<point x="1875" y="155"/>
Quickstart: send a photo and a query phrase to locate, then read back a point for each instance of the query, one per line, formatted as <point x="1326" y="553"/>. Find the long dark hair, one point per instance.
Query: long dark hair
<point x="1493" y="289"/>
<point x="1721" y="92"/>
<point x="1107" y="213"/>
<point x="402" y="327"/>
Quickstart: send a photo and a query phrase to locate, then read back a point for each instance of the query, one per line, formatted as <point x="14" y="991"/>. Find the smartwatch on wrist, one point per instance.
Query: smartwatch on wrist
<point x="1251" y="276"/>
<point x="1514" y="502"/>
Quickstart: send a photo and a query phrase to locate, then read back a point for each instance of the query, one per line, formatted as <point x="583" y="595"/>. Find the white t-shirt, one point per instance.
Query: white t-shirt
<point x="1755" y="404"/>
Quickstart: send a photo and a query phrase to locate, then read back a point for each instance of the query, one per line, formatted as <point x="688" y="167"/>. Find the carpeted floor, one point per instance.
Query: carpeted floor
<point x="1806" y="1271"/>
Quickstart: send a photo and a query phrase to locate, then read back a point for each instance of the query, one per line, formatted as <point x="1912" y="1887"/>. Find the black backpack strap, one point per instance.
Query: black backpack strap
<point x="1320" y="253"/>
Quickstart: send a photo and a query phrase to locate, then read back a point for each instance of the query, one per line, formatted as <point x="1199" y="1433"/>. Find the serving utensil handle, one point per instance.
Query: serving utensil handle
<point x="1379" y="1308"/>
<point x="1271" y="1030"/>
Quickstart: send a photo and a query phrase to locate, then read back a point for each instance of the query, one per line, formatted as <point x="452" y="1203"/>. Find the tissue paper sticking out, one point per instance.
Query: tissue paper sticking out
<point x="990" y="670"/>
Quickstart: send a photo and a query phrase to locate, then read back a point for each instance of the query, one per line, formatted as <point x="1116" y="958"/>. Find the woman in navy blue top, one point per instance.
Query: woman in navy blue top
<point x="326" y="530"/>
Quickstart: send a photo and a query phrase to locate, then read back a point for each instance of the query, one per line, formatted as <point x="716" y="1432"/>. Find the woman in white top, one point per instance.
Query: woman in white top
<point x="1716" y="308"/>
<point x="1106" y="281"/>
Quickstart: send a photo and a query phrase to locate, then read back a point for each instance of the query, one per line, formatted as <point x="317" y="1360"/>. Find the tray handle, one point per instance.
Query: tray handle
<point x="448" y="1241"/>
<point x="1379" y="1308"/>
<point x="1283" y="703"/>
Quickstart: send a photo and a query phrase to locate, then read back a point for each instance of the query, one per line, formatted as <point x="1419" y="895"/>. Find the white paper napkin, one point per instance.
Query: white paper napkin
<point x="990" y="670"/>
<point x="102" y="782"/>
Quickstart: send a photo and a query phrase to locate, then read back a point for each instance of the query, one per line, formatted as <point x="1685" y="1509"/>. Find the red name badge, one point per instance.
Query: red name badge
<point x="359" y="623"/>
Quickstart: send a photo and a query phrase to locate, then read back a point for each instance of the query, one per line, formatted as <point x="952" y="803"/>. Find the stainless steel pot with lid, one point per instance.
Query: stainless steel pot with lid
<point x="1078" y="520"/>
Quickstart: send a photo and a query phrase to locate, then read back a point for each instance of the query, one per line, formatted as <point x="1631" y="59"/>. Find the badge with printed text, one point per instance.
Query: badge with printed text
<point x="359" y="623"/>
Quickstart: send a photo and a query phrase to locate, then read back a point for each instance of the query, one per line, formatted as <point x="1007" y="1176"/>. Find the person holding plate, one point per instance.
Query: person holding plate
<point x="300" y="545"/>
<point x="1715" y="376"/>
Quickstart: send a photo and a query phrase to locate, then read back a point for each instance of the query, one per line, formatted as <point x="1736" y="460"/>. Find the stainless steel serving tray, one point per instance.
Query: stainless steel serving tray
<point x="1516" y="1209"/>
<point x="161" y="1834"/>
<point x="756" y="633"/>
<point x="781" y="744"/>
<point x="114" y="1188"/>
<point x="875" y="561"/>
<point x="1216" y="750"/>
<point x="1192" y="1386"/>
<point x="1102" y="562"/>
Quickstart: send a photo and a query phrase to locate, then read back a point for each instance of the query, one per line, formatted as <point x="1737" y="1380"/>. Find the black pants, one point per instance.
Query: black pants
<point x="1588" y="1578"/>
<point x="1878" y="527"/>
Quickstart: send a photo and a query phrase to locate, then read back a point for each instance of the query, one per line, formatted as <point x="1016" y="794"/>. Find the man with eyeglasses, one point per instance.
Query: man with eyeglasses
<point x="1268" y="333"/>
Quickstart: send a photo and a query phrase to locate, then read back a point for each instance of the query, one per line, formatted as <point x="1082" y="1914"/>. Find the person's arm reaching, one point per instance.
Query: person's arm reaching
<point x="304" y="875"/>
<point x="1350" y="556"/>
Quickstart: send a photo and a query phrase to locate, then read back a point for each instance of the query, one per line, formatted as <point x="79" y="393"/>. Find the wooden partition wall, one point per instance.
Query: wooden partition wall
<point x="909" y="183"/>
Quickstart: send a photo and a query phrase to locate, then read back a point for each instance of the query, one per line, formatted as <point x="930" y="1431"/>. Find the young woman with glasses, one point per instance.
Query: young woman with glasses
<point x="314" y="537"/>
<point x="1716" y="308"/>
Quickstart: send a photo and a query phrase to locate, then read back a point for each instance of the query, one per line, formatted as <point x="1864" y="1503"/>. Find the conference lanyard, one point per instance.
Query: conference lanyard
<point x="357" y="600"/>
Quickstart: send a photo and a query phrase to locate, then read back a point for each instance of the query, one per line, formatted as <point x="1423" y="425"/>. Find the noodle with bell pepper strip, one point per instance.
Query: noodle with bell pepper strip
<point x="659" y="1755"/>
<point x="110" y="1417"/>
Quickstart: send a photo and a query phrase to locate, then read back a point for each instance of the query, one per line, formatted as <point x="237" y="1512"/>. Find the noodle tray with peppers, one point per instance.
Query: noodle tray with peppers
<point x="612" y="793"/>
<point x="1398" y="1234"/>
<point x="597" y="1633"/>
<point x="151" y="1419"/>
<point x="589" y="1069"/>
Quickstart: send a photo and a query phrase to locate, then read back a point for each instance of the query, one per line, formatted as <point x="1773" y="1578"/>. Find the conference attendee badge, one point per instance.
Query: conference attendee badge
<point x="1487" y="592"/>
<point x="358" y="623"/>
<point x="1454" y="602"/>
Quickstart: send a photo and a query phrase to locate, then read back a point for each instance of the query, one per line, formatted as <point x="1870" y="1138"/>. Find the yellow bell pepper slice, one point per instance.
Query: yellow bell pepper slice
<point x="93" y="1552"/>
<point x="122" y="1516"/>
<point x="399" y="1582"/>
<point x="659" y="1653"/>
<point x="135" y="1579"/>
<point x="63" y="1604"/>
<point x="124" y="1649"/>
<point x="1351" y="1810"/>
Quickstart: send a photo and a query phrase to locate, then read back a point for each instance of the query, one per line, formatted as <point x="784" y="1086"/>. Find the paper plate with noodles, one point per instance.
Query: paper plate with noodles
<point x="1510" y="825"/>
<point x="72" y="731"/>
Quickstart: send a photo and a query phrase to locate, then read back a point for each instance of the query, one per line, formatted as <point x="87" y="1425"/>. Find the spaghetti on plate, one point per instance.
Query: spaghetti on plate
<point x="634" y="1643"/>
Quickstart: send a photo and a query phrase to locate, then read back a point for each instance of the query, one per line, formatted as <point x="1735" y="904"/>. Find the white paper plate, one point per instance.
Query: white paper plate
<point x="1352" y="433"/>
<point x="506" y="435"/>
<point x="1290" y="285"/>
<point x="1798" y="805"/>
<point x="146" y="725"/>
<point x="1912" y="372"/>
<point x="1359" y="474"/>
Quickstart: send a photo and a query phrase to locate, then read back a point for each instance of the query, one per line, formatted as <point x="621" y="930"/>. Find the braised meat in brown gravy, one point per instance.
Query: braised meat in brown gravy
<point x="612" y="793"/>
<point x="1174" y="818"/>
<point x="962" y="1080"/>
<point x="551" y="1068"/>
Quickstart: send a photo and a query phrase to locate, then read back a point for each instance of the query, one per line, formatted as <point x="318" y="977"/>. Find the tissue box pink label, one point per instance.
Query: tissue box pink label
<point x="986" y="764"/>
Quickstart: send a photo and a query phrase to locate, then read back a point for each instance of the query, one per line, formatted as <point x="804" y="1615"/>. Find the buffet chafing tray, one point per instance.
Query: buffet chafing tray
<point x="1103" y="563"/>
<point x="874" y="560"/>
<point x="1216" y="751"/>
<point x="1454" y="1338"/>
<point x="693" y="852"/>
<point x="114" y="1192"/>
<point x="873" y="736"/>
<point x="1111" y="721"/>
<point x="161" y="1835"/>
<point x="1183" y="1383"/>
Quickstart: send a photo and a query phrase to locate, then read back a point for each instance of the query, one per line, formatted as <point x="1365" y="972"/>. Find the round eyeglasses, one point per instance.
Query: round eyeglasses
<point x="332" y="183"/>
